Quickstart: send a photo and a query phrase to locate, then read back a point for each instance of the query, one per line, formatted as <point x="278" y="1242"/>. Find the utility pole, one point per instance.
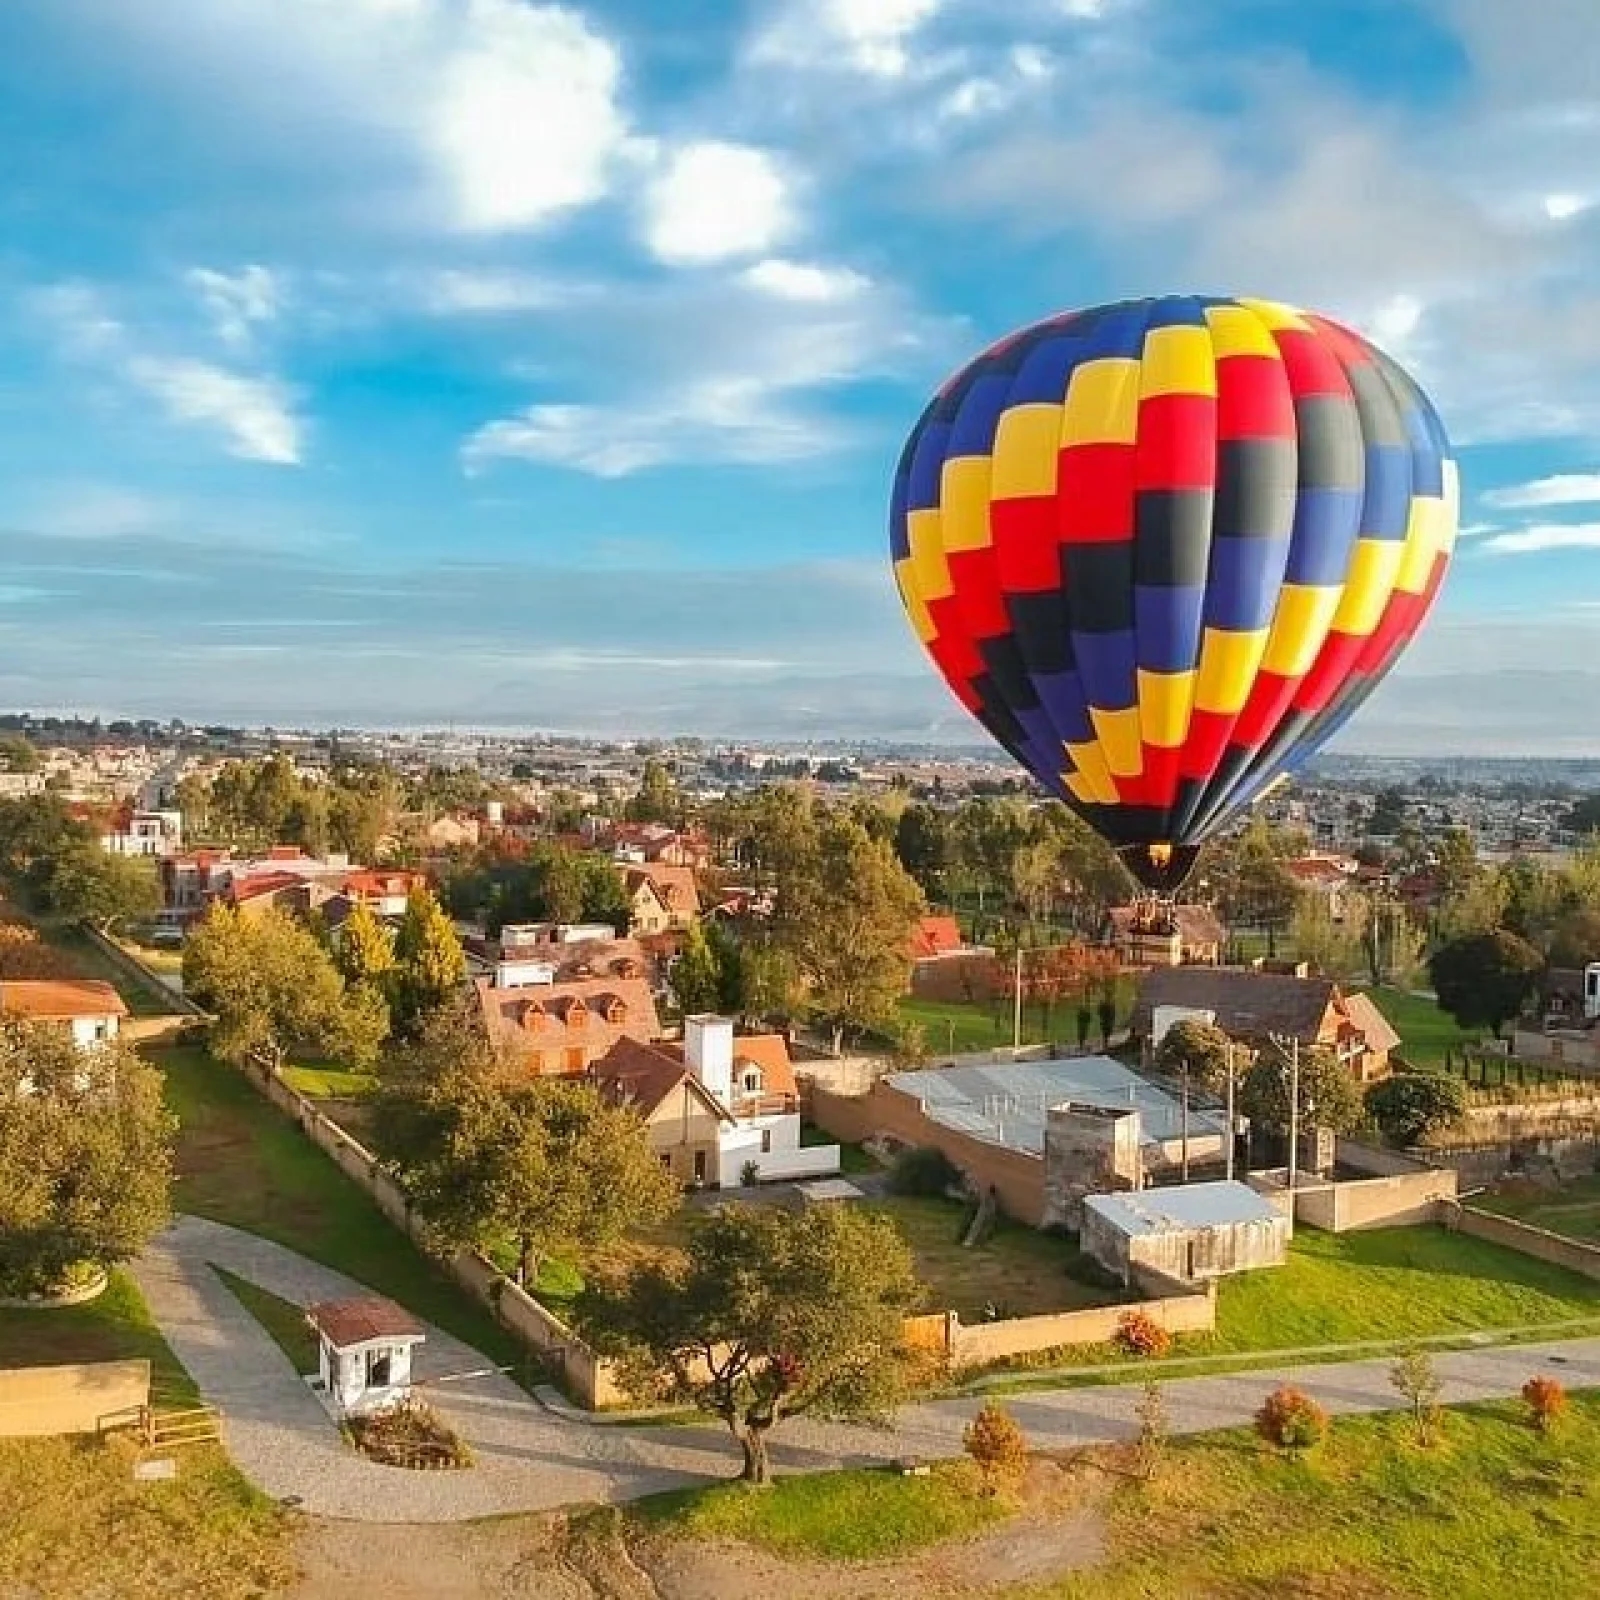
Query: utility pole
<point x="1294" y="1110"/>
<point x="1185" y="1121"/>
<point x="1231" y="1135"/>
<point x="1016" y="1004"/>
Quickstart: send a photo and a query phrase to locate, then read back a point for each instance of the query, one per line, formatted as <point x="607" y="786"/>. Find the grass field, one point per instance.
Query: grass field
<point x="1367" y="1514"/>
<point x="241" y="1161"/>
<point x="75" y="1521"/>
<point x="282" y="1319"/>
<point x="1573" y="1209"/>
<point x="1425" y="1031"/>
<point x="320" y="1082"/>
<point x="1019" y="1270"/>
<point x="852" y="1158"/>
<point x="842" y="1516"/>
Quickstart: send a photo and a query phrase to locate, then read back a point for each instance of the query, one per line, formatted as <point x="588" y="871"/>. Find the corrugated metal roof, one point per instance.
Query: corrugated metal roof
<point x="1182" y="1208"/>
<point x="1008" y="1105"/>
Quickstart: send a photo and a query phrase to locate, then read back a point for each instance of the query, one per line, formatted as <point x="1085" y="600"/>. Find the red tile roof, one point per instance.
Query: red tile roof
<point x="60" y="999"/>
<point x="644" y="1076"/>
<point x="356" y="1321"/>
<point x="935" y="936"/>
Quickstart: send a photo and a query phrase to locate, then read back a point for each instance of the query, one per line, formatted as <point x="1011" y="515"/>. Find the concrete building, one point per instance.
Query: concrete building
<point x="89" y="1010"/>
<point x="1191" y="1232"/>
<point x="364" y="1350"/>
<point x="1089" y="1149"/>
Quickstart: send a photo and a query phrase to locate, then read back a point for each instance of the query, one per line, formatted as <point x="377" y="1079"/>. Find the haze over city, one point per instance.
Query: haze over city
<point x="545" y="366"/>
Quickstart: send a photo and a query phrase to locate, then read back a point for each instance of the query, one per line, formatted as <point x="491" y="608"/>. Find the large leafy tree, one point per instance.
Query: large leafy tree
<point x="365" y="951"/>
<point x="1483" y="979"/>
<point x="429" y="963"/>
<point x="771" y="1314"/>
<point x="275" y="991"/>
<point x="1200" y="1048"/>
<point x="89" y="885"/>
<point x="547" y="1163"/>
<point x="696" y="978"/>
<point x="1252" y="882"/>
<point x="1329" y="1097"/>
<point x="85" y="1155"/>
<point x="1410" y="1106"/>
<point x="845" y="917"/>
<point x="1335" y="949"/>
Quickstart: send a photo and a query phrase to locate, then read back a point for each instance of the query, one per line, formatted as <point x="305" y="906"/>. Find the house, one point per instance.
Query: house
<point x="553" y="1026"/>
<point x="132" y="832"/>
<point x="1331" y="878"/>
<point x="89" y="1010"/>
<point x="1151" y="935"/>
<point x="385" y="893"/>
<point x="1190" y="1231"/>
<point x="364" y="1354"/>
<point x="934" y="937"/>
<point x="716" y="1104"/>
<point x="1251" y="1006"/>
<point x="660" y="898"/>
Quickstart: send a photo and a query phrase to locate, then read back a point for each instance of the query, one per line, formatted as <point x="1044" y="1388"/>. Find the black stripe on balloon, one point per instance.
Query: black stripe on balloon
<point x="1042" y="626"/>
<point x="1008" y="671"/>
<point x="998" y="718"/>
<point x="1331" y="452"/>
<point x="1172" y="537"/>
<point x="1100" y="581"/>
<point x="1256" y="485"/>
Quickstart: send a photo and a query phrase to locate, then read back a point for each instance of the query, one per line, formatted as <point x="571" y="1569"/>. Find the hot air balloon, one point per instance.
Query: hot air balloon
<point x="1162" y="550"/>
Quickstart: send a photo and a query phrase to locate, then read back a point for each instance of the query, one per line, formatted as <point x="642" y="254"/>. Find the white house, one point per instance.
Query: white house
<point x="364" y="1348"/>
<point x="144" y="833"/>
<point x="89" y="1010"/>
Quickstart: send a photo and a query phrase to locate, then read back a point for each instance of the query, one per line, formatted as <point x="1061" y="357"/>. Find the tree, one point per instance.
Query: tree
<point x="999" y="1446"/>
<point x="17" y="754"/>
<point x="923" y="841"/>
<point x="1575" y="939"/>
<point x="430" y="964"/>
<point x="548" y="1163"/>
<point x="24" y="955"/>
<point x="85" y="1155"/>
<point x="696" y="980"/>
<point x="275" y="991"/>
<point x="1391" y="944"/>
<point x="91" y="886"/>
<point x="1254" y="885"/>
<point x="1200" y="1048"/>
<point x="1584" y="815"/>
<point x="658" y="798"/>
<point x="1410" y="1106"/>
<point x="771" y="1314"/>
<point x="365" y="953"/>
<point x="1483" y="979"/>
<point x="1415" y="1378"/>
<point x="1328" y="1095"/>
<point x="845" y="918"/>
<point x="1334" y="949"/>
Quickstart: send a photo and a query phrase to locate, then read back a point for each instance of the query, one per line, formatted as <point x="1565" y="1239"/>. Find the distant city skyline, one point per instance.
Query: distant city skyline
<point x="486" y="359"/>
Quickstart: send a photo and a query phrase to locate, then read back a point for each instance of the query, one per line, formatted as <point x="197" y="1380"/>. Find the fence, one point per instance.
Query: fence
<point x="1520" y="1236"/>
<point x="86" y="1397"/>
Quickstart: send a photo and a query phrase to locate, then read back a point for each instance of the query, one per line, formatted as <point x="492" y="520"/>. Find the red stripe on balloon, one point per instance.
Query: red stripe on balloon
<point x="1094" y="493"/>
<point x="1027" y="552"/>
<point x="1177" y="442"/>
<point x="1254" y="400"/>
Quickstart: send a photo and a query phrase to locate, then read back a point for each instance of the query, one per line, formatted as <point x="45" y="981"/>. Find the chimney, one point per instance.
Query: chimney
<point x="708" y="1052"/>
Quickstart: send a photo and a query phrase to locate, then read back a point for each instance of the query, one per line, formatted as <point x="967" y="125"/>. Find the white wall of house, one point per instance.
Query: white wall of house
<point x="366" y="1377"/>
<point x="87" y="1031"/>
<point x="773" y="1143"/>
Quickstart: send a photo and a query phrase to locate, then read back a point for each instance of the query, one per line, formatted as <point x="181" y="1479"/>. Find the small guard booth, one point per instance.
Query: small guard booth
<point x="364" y="1350"/>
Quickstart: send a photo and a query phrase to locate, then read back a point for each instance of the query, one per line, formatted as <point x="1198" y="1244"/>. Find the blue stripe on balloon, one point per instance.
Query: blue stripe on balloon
<point x="1044" y="375"/>
<point x="927" y="464"/>
<point x="1061" y="694"/>
<point x="1106" y="665"/>
<point x="1167" y="622"/>
<point x="1387" y="503"/>
<point x="972" y="432"/>
<point x="1243" y="582"/>
<point x="1117" y="332"/>
<point x="1323" y="536"/>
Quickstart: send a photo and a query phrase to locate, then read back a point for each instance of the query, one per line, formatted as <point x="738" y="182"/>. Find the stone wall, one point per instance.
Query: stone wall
<point x="1529" y="1241"/>
<point x="989" y="1342"/>
<point x="84" y="1398"/>
<point x="1404" y="1200"/>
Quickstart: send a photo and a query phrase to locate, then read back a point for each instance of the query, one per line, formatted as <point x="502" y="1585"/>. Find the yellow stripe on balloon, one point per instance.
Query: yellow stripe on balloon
<point x="929" y="569"/>
<point x="1368" y="585"/>
<point x="1120" y="740"/>
<point x="1229" y="662"/>
<point x="1080" y="788"/>
<point x="964" y="502"/>
<point x="1026" y="445"/>
<point x="1277" y="316"/>
<point x="1304" y="614"/>
<point x="916" y="606"/>
<point x="1165" y="701"/>
<point x="1236" y="331"/>
<point x="1102" y="405"/>
<point x="1177" y="360"/>
<point x="1093" y="773"/>
<point x="1425" y="533"/>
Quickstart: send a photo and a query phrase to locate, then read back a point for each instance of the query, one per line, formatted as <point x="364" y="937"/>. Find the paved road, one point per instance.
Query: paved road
<point x="530" y="1459"/>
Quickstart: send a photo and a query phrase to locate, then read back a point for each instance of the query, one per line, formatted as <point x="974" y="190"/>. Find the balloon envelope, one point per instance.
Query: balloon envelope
<point x="1163" y="549"/>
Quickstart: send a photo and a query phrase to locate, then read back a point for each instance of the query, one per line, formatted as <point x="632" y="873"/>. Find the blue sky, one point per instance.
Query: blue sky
<point x="409" y="360"/>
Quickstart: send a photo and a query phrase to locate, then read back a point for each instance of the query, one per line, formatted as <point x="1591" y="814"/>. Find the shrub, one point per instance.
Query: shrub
<point x="995" y="1441"/>
<point x="1545" y="1400"/>
<point x="924" y="1171"/>
<point x="1413" y="1375"/>
<point x="1291" y="1420"/>
<point x="1140" y="1334"/>
<point x="750" y="1174"/>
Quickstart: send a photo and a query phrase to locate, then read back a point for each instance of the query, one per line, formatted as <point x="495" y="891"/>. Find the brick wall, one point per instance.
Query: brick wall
<point x="83" y="1398"/>
<point x="1017" y="1179"/>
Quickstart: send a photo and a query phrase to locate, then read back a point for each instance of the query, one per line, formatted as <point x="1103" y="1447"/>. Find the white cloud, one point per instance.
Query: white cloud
<point x="468" y="291"/>
<point x="1564" y="207"/>
<point x="1564" y="489"/>
<point x="800" y="280"/>
<point x="866" y="36"/>
<point x="712" y="201"/>
<point x="1546" y="536"/>
<point x="253" y="413"/>
<point x="236" y="302"/>
<point x="91" y="511"/>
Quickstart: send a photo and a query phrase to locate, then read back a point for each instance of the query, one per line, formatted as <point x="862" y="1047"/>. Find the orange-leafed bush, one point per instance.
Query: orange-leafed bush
<point x="1291" y="1420"/>
<point x="1545" y="1400"/>
<point x="1141" y="1335"/>
<point x="995" y="1441"/>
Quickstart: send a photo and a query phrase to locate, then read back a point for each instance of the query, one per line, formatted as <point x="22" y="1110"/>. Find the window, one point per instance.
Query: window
<point x="699" y="1166"/>
<point x="574" y="1059"/>
<point x="378" y="1369"/>
<point x="766" y="1141"/>
<point x="752" y="1080"/>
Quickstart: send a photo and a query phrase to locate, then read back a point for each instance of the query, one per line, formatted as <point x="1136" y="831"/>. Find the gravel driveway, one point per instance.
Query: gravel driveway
<point x="530" y="1459"/>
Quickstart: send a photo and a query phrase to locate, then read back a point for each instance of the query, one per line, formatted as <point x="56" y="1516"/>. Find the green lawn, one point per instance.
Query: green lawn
<point x="1425" y="1031"/>
<point x="852" y="1158"/>
<point x="114" y="1326"/>
<point x="1019" y="1270"/>
<point x="840" y="1516"/>
<point x="1573" y="1209"/>
<point x="282" y="1319"/>
<point x="75" y="1521"/>
<point x="326" y="1082"/>
<point x="241" y="1161"/>
<point x="1367" y="1514"/>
